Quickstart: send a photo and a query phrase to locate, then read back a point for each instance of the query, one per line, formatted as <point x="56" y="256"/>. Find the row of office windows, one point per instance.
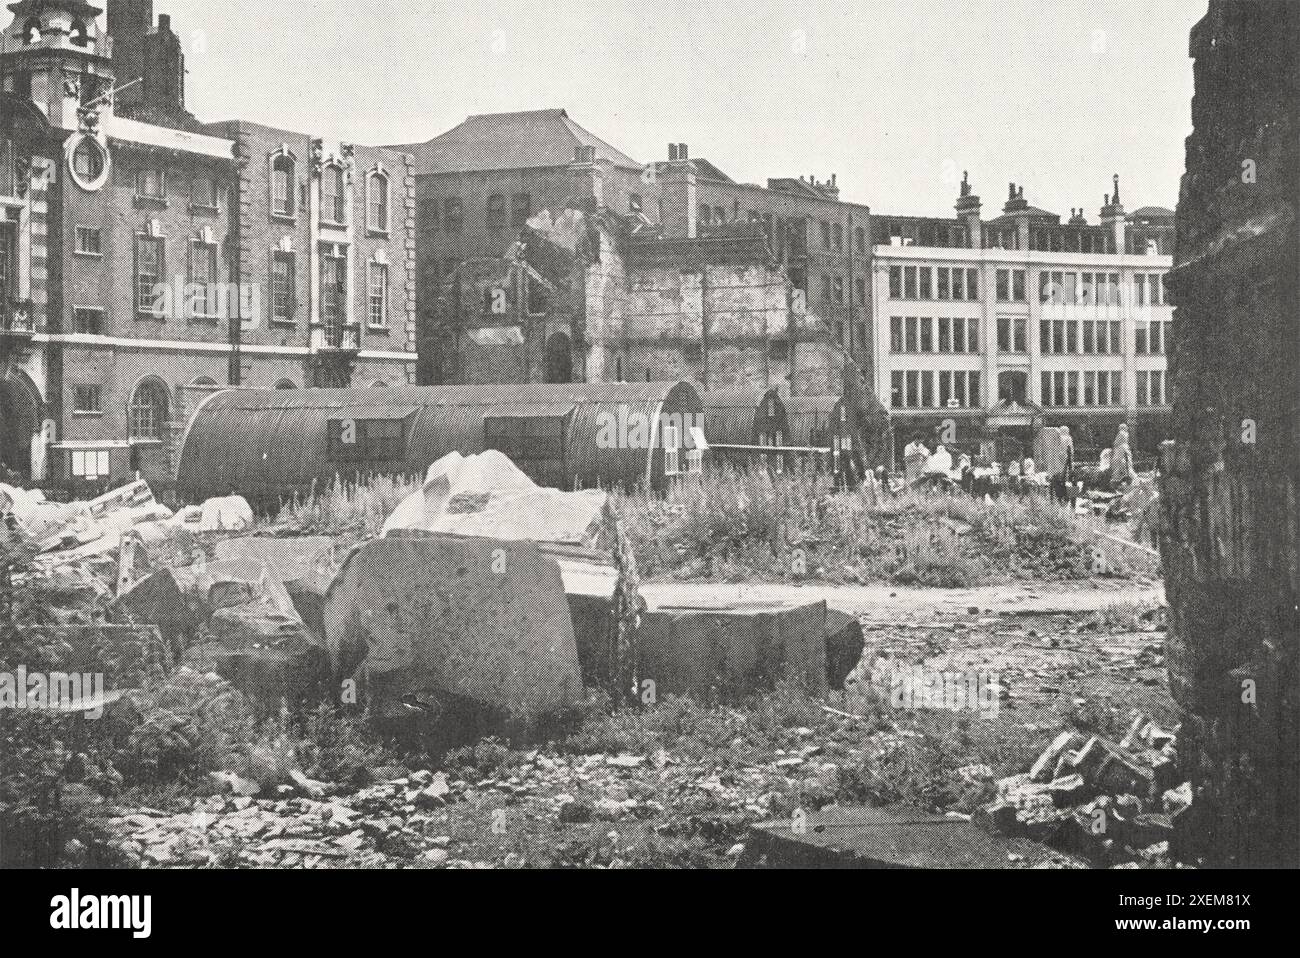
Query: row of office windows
<point x="929" y="334"/>
<point x="1101" y="388"/>
<point x="935" y="389"/>
<point x="1055" y="287"/>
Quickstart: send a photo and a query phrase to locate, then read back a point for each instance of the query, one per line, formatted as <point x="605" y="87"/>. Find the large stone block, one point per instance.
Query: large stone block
<point x="733" y="651"/>
<point x="477" y="622"/>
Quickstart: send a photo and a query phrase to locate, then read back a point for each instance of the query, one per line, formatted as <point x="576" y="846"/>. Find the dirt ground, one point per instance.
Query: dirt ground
<point x="678" y="785"/>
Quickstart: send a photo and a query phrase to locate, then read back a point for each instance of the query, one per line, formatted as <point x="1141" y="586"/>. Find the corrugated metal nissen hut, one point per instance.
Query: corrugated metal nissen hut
<point x="746" y="418"/>
<point x="270" y="444"/>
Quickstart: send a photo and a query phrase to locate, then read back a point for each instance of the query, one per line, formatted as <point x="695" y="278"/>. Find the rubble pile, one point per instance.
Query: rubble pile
<point x="1107" y="802"/>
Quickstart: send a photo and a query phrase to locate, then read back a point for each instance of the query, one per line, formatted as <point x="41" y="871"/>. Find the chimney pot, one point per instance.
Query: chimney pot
<point x="682" y="152"/>
<point x="164" y="22"/>
<point x="672" y="152"/>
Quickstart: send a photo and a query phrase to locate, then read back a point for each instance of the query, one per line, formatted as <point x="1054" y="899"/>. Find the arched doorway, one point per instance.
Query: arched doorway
<point x="559" y="359"/>
<point x="20" y="420"/>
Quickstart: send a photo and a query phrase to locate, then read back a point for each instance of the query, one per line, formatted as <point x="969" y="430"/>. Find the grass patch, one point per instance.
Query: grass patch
<point x="356" y="509"/>
<point x="738" y="525"/>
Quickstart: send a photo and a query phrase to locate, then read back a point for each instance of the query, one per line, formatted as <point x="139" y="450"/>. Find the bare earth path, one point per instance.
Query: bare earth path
<point x="886" y="603"/>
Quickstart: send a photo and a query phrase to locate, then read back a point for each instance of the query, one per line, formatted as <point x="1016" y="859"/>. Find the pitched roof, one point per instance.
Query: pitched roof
<point x="509" y="141"/>
<point x="1150" y="212"/>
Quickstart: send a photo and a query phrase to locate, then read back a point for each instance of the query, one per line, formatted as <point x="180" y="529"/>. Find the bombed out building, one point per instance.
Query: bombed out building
<point x="548" y="255"/>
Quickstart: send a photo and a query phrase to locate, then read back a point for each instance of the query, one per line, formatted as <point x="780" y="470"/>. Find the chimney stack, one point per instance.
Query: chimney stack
<point x="672" y="152"/>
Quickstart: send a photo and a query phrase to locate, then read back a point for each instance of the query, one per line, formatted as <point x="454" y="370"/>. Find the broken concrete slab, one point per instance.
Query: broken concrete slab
<point x="844" y="643"/>
<point x="884" y="838"/>
<point x="734" y="651"/>
<point x="305" y="567"/>
<point x="480" y="622"/>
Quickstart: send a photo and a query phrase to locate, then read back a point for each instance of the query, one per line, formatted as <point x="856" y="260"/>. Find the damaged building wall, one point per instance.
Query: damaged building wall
<point x="1230" y="551"/>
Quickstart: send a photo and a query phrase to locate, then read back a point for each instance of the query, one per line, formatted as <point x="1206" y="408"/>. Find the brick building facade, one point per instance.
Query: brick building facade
<point x="148" y="258"/>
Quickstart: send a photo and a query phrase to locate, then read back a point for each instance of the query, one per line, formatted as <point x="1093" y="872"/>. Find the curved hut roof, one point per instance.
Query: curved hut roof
<point x="272" y="443"/>
<point x="730" y="418"/>
<point x="810" y="419"/>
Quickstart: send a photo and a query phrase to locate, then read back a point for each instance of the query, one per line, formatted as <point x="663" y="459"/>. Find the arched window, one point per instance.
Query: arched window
<point x="148" y="410"/>
<point x="333" y="195"/>
<point x="282" y="186"/>
<point x="377" y="201"/>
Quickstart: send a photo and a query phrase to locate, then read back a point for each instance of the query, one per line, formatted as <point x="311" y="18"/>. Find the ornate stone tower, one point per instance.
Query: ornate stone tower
<point x="55" y="54"/>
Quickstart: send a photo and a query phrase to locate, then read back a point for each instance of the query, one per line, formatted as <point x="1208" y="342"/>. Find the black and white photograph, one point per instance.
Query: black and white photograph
<point x="673" y="435"/>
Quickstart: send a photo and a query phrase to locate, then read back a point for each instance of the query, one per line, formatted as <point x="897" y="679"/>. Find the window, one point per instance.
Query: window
<point x="88" y="160"/>
<point x="148" y="411"/>
<point x="373" y="440"/>
<point x="945" y="334"/>
<point x="925" y="289"/>
<point x="333" y="195"/>
<point x="377" y="202"/>
<point x="87" y="400"/>
<point x="703" y="214"/>
<point x="837" y="237"/>
<point x="826" y="234"/>
<point x="334" y="296"/>
<point x="1018" y="285"/>
<point x="89" y="241"/>
<point x="859" y="290"/>
<point x="203" y="192"/>
<point x="927" y="388"/>
<point x="912" y="340"/>
<point x="377" y="282"/>
<point x="838" y="288"/>
<point x="430" y="216"/>
<point x="520" y="210"/>
<point x="87" y="321"/>
<point x="453" y="217"/>
<point x="148" y="273"/>
<point x="151" y="184"/>
<point x="895" y="282"/>
<point x="284" y="287"/>
<point x="282" y="186"/>
<point x="89" y="464"/>
<point x="1004" y="285"/>
<point x="201" y="296"/>
<point x="909" y="282"/>
<point x="1011" y="334"/>
<point x="496" y="212"/>
<point x="927" y="334"/>
<point x="896" y="390"/>
<point x="895" y="334"/>
<point x="859" y="239"/>
<point x="958" y="284"/>
<point x="972" y="284"/>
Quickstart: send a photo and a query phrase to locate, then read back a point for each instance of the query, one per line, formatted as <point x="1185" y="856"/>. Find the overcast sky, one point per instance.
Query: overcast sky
<point x="895" y="96"/>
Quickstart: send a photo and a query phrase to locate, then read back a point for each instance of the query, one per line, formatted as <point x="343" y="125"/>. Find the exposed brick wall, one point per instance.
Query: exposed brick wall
<point x="1231" y="490"/>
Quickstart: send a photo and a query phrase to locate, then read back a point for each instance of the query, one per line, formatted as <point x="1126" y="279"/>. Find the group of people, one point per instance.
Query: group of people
<point x="1113" y="472"/>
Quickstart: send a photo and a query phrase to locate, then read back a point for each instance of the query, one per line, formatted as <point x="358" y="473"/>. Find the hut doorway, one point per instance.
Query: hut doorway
<point x="559" y="359"/>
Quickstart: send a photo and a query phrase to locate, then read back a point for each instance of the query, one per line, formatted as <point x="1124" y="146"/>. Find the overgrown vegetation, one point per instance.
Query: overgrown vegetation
<point x="735" y="525"/>
<point x="356" y="509"/>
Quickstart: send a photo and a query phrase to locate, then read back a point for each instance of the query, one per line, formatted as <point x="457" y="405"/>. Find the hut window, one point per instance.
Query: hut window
<point x="695" y="455"/>
<point x="520" y="210"/>
<point x="373" y="440"/>
<point x="496" y="212"/>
